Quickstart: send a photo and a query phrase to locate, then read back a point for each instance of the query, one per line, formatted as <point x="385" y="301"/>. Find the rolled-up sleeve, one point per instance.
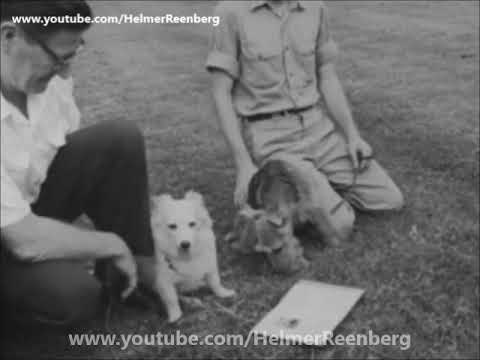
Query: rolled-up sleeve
<point x="13" y="205"/>
<point x="327" y="49"/>
<point x="63" y="94"/>
<point x="223" y="48"/>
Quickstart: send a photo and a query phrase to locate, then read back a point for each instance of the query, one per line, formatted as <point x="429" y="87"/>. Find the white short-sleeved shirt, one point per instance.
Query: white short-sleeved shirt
<point x="28" y="146"/>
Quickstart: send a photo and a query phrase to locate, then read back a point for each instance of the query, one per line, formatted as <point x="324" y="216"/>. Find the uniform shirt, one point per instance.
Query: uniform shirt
<point x="28" y="146"/>
<point x="273" y="59"/>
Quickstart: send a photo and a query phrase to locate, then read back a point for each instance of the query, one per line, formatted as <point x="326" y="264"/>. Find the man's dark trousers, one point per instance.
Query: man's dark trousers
<point x="100" y="172"/>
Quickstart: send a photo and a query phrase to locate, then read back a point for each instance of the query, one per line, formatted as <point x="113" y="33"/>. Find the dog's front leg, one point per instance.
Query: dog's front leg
<point x="191" y="302"/>
<point x="213" y="281"/>
<point x="168" y="294"/>
<point x="155" y="274"/>
<point x="164" y="287"/>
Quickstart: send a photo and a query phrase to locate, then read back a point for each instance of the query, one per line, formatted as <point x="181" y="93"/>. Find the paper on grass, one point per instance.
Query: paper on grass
<point x="308" y="311"/>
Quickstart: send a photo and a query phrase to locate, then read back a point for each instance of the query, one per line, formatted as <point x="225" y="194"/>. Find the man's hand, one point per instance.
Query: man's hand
<point x="36" y="238"/>
<point x="360" y="152"/>
<point x="126" y="265"/>
<point x="244" y="175"/>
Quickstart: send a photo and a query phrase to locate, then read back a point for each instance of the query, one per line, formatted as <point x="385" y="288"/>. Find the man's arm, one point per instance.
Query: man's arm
<point x="338" y="107"/>
<point x="336" y="101"/>
<point x="222" y="63"/>
<point x="35" y="238"/>
<point x="333" y="94"/>
<point x="222" y="85"/>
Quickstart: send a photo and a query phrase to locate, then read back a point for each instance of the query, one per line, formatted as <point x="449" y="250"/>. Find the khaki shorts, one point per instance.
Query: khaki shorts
<point x="312" y="135"/>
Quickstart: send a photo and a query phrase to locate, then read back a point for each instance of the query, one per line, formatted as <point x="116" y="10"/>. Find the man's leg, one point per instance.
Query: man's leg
<point x="101" y="171"/>
<point x="298" y="138"/>
<point x="59" y="293"/>
<point x="313" y="136"/>
<point x="330" y="214"/>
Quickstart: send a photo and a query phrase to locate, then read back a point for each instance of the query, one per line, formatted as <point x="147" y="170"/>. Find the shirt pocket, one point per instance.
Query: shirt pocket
<point x="303" y="39"/>
<point x="261" y="65"/>
<point x="306" y="57"/>
<point x="305" y="63"/>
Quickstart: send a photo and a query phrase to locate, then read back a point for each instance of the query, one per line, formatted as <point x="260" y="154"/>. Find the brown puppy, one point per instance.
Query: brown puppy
<point x="282" y="195"/>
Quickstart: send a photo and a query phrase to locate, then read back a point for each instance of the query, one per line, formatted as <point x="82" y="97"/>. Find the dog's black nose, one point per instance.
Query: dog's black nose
<point x="185" y="245"/>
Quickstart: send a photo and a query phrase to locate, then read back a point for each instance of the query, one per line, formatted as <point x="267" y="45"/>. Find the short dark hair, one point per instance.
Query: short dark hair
<point x="41" y="8"/>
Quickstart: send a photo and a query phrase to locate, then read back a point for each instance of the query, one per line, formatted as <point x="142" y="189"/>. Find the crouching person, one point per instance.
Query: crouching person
<point x="52" y="172"/>
<point x="271" y="62"/>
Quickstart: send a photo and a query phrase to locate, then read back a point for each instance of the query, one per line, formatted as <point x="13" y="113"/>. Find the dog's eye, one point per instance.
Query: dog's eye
<point x="192" y="224"/>
<point x="172" y="226"/>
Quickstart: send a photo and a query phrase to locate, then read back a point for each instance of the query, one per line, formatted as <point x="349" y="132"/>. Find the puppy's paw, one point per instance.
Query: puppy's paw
<point x="304" y="263"/>
<point x="225" y="293"/>
<point x="174" y="315"/>
<point x="192" y="302"/>
<point x="229" y="237"/>
<point x="333" y="241"/>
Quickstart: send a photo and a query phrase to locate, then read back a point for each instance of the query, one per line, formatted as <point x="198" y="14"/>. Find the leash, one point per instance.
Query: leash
<point x="111" y="299"/>
<point x="349" y="187"/>
<point x="345" y="189"/>
<point x="105" y="273"/>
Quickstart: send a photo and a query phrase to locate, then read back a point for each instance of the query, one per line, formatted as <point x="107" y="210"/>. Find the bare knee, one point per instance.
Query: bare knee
<point x="342" y="223"/>
<point x="335" y="225"/>
<point x="396" y="200"/>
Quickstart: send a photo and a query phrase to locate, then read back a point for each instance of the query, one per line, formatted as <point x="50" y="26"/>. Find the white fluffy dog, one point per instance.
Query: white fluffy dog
<point x="185" y="250"/>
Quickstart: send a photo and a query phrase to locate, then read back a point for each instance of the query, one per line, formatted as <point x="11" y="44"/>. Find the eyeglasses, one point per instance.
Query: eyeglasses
<point x="58" y="61"/>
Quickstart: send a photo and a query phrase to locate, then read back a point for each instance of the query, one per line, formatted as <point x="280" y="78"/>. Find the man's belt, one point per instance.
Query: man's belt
<point x="267" y="116"/>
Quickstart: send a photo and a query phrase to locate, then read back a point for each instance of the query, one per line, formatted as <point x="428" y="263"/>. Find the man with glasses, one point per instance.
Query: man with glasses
<point x="52" y="172"/>
<point x="58" y="62"/>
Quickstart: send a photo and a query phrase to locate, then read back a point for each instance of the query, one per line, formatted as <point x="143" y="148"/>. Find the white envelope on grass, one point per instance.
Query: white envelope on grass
<point x="307" y="313"/>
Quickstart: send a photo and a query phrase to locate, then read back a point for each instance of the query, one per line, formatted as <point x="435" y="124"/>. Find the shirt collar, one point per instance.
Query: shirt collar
<point x="8" y="109"/>
<point x="298" y="4"/>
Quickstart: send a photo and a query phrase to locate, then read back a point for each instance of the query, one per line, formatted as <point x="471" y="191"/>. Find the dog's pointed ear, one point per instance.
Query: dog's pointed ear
<point x="158" y="207"/>
<point x="157" y="202"/>
<point x="200" y="208"/>
<point x="194" y="197"/>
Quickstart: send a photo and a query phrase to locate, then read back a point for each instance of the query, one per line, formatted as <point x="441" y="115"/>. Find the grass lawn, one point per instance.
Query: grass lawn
<point x="410" y="69"/>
